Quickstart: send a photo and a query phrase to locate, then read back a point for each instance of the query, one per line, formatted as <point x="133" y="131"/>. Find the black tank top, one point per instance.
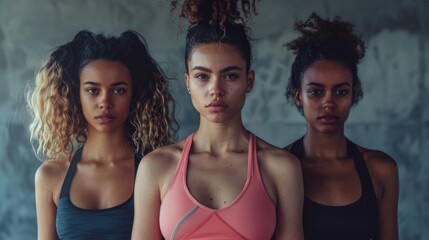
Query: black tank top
<point x="355" y="221"/>
<point x="76" y="223"/>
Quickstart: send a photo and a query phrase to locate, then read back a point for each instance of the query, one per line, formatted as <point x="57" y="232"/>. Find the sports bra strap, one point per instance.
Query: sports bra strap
<point x="253" y="168"/>
<point x="368" y="191"/>
<point x="65" y="190"/>
<point x="298" y="148"/>
<point x="183" y="164"/>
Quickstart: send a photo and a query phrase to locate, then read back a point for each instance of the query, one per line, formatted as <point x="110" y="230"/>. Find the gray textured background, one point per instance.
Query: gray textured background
<point x="393" y="116"/>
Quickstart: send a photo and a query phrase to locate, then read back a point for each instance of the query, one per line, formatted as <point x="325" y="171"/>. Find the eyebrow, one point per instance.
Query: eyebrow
<point x="336" y="86"/>
<point x="97" y="84"/>
<point x="227" y="69"/>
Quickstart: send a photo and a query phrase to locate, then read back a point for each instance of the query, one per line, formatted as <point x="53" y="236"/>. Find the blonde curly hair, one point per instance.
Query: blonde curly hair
<point x="58" y="123"/>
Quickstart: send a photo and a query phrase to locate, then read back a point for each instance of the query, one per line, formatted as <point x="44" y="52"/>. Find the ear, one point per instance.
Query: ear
<point x="250" y="80"/>
<point x="297" y="97"/>
<point x="186" y="79"/>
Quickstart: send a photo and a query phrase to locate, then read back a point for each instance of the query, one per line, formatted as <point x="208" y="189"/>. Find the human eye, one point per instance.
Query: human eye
<point x="118" y="91"/>
<point x="92" y="91"/>
<point x="231" y="76"/>
<point x="341" y="92"/>
<point x="201" y="76"/>
<point x="315" y="91"/>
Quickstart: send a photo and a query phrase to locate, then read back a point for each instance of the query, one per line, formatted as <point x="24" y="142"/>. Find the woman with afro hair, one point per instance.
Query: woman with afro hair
<point x="350" y="192"/>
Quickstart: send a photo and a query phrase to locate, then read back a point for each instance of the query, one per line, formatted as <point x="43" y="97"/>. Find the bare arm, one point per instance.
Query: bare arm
<point x="388" y="203"/>
<point x="290" y="195"/>
<point x="45" y="205"/>
<point x="147" y="201"/>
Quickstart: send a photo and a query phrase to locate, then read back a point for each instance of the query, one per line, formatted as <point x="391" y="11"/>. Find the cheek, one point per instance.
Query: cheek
<point x="198" y="90"/>
<point x="309" y="107"/>
<point x="198" y="86"/>
<point x="236" y="89"/>
<point x="306" y="101"/>
<point x="125" y="103"/>
<point x="84" y="98"/>
<point x="85" y="109"/>
<point x="84" y="102"/>
<point x="196" y="98"/>
<point x="347" y="102"/>
<point x="347" y="107"/>
<point x="307" y="111"/>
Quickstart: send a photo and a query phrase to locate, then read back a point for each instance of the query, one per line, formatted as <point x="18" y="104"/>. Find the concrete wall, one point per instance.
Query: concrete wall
<point x="392" y="117"/>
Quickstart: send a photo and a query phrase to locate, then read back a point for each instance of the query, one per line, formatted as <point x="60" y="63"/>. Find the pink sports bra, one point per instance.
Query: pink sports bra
<point x="251" y="215"/>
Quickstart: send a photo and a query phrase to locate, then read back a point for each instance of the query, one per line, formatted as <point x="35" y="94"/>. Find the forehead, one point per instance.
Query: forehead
<point x="215" y="55"/>
<point x="327" y="72"/>
<point x="105" y="71"/>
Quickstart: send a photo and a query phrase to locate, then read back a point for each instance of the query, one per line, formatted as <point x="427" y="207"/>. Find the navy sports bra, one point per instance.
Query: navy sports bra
<point x="73" y="222"/>
<point x="355" y="221"/>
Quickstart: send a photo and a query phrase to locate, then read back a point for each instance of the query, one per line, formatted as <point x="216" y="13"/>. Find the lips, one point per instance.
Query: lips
<point x="105" y="118"/>
<point x="328" y="118"/>
<point x="217" y="106"/>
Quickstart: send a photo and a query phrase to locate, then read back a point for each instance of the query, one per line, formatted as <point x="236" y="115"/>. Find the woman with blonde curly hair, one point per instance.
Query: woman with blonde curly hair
<point x="99" y="104"/>
<point x="222" y="181"/>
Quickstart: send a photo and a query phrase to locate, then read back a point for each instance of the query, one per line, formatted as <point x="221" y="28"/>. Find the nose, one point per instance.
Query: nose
<point x="105" y="101"/>
<point x="328" y="101"/>
<point x="217" y="88"/>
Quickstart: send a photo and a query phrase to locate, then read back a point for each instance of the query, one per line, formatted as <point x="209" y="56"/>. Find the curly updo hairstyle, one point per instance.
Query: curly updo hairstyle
<point x="217" y="21"/>
<point x="58" y="122"/>
<point x="322" y="39"/>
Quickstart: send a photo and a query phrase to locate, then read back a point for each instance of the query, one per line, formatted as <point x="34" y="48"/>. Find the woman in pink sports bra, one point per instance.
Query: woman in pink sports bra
<point x="221" y="182"/>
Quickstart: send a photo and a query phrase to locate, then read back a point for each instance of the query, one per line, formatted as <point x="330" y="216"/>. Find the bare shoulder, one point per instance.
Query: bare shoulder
<point x="52" y="169"/>
<point x="166" y="156"/>
<point x="282" y="174"/>
<point x="276" y="158"/>
<point x="379" y="163"/>
<point x="288" y="147"/>
<point x="50" y="175"/>
<point x="160" y="165"/>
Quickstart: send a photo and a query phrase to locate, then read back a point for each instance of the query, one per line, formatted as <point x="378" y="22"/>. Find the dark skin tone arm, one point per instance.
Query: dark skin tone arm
<point x="384" y="172"/>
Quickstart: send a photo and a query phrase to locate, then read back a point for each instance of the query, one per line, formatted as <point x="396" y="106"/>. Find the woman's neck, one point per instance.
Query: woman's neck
<point x="324" y="146"/>
<point x="108" y="146"/>
<point x="218" y="138"/>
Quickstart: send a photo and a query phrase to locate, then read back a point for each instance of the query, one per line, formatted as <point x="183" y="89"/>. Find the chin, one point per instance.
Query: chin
<point x="330" y="130"/>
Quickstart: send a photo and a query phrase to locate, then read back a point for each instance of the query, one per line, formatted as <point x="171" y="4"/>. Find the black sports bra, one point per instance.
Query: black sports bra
<point x="357" y="220"/>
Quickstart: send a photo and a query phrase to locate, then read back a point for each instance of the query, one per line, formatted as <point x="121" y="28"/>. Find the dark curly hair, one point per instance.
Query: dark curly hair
<point x="322" y="39"/>
<point x="58" y="121"/>
<point x="217" y="21"/>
